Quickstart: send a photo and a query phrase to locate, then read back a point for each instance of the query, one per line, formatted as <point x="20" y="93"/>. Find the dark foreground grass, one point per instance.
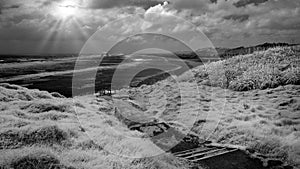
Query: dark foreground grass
<point x="39" y="130"/>
<point x="13" y="138"/>
<point x="32" y="158"/>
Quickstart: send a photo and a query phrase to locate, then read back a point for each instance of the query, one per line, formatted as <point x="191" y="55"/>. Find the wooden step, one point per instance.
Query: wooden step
<point x="200" y="150"/>
<point x="194" y="149"/>
<point x="203" y="154"/>
<point x="179" y="152"/>
<point x="214" y="154"/>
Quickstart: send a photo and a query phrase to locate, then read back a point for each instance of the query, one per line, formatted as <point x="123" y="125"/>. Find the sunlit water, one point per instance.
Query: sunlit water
<point x="55" y="74"/>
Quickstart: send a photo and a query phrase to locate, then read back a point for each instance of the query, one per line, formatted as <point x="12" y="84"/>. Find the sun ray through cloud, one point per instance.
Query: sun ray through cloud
<point x="52" y="34"/>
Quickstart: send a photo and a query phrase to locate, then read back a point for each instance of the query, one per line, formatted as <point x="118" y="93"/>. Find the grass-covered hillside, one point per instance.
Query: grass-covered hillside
<point x="41" y="130"/>
<point x="260" y="70"/>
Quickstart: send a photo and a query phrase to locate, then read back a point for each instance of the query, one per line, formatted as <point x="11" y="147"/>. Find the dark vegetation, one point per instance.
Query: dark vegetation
<point x="227" y="53"/>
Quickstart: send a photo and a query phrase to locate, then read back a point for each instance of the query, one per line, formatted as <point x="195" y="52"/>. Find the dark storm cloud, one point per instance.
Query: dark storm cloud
<point x="46" y="3"/>
<point x="191" y="4"/>
<point x="243" y="3"/>
<point x="286" y="24"/>
<point x="106" y="4"/>
<point x="235" y="17"/>
<point x="12" y="7"/>
<point x="2" y="7"/>
<point x="146" y="3"/>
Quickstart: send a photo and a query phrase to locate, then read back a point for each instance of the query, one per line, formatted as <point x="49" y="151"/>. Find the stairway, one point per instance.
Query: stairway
<point x="217" y="156"/>
<point x="205" y="152"/>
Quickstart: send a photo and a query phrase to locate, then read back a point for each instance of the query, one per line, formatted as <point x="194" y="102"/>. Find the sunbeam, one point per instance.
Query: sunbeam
<point x="67" y="26"/>
<point x="51" y="35"/>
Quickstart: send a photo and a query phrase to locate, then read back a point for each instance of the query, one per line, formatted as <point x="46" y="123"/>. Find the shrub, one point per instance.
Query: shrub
<point x="291" y="76"/>
<point x="271" y="147"/>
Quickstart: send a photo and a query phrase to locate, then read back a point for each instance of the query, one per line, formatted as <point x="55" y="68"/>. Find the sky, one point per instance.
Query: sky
<point x="67" y="26"/>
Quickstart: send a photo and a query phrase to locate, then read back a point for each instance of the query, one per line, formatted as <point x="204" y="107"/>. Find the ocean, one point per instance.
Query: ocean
<point x="55" y="73"/>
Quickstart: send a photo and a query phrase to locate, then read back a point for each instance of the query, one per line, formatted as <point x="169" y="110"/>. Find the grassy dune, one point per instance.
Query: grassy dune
<point x="254" y="99"/>
<point x="261" y="70"/>
<point x="41" y="130"/>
